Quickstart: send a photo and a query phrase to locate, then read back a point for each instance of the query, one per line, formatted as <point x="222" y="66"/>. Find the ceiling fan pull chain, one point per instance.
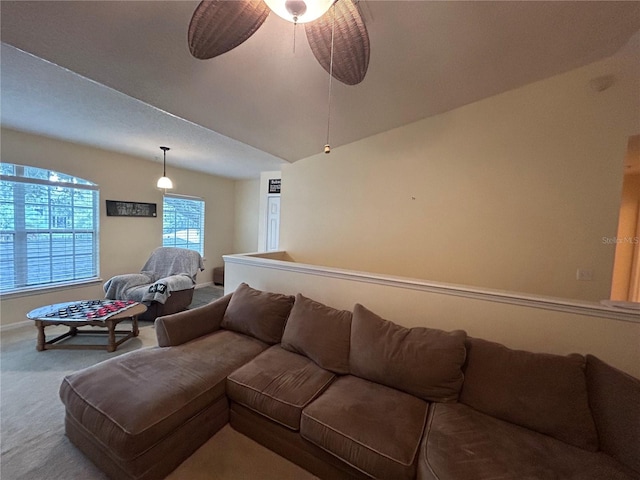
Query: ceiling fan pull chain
<point x="295" y="24"/>
<point x="327" y="146"/>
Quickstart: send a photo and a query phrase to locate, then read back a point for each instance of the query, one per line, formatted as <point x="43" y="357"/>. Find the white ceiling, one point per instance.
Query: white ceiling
<point x="118" y="74"/>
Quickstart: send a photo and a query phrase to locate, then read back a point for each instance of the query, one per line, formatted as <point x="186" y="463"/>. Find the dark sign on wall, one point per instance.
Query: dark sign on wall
<point x="130" y="209"/>
<point x="274" y="185"/>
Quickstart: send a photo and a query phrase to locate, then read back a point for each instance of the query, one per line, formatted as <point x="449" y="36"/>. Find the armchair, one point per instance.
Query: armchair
<point x="165" y="284"/>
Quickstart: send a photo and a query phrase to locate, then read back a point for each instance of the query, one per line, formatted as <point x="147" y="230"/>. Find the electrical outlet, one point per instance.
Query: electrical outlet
<point x="584" y="275"/>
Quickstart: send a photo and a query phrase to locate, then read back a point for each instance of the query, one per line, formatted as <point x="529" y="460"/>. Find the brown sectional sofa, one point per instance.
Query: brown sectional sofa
<point x="351" y="395"/>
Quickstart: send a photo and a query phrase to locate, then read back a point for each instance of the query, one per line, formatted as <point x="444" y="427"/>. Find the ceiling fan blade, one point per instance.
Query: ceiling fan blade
<point x="351" y="47"/>
<point x="218" y="26"/>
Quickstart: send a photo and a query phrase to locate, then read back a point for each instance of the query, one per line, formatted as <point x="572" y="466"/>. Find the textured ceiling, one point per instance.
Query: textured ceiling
<point x="128" y="82"/>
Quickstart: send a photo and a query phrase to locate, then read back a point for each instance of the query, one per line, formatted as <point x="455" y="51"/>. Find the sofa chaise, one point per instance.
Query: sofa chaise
<point x="350" y="395"/>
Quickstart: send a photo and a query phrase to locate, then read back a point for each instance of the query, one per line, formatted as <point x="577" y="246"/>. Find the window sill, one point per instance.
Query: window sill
<point x="27" y="292"/>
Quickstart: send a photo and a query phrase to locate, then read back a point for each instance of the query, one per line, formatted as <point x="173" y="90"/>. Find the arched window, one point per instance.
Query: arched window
<point x="48" y="228"/>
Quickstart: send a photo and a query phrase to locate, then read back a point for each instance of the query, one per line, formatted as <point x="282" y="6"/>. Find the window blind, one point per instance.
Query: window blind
<point x="48" y="228"/>
<point x="183" y="222"/>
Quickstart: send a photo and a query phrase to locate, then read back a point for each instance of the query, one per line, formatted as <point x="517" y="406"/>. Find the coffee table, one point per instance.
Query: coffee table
<point x="42" y="317"/>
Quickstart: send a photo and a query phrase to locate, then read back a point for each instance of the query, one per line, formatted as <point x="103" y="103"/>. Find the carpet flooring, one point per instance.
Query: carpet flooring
<point x="204" y="295"/>
<point x="33" y="445"/>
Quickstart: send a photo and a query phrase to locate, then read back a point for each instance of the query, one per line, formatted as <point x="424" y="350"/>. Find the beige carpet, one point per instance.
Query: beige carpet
<point x="32" y="440"/>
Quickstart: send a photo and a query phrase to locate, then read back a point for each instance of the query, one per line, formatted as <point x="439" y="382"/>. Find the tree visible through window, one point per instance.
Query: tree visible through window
<point x="183" y="223"/>
<point x="48" y="228"/>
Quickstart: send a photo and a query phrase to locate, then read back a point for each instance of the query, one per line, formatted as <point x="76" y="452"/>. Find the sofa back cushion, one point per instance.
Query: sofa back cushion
<point x="319" y="332"/>
<point x="614" y="398"/>
<point x="544" y="392"/>
<point x="259" y="314"/>
<point x="424" y="362"/>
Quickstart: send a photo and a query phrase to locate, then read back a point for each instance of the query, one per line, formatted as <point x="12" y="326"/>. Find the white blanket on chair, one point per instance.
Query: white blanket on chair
<point x="140" y="287"/>
<point x="167" y="261"/>
<point x="168" y="270"/>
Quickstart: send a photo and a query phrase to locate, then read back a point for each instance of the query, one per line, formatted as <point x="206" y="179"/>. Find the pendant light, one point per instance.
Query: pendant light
<point x="164" y="182"/>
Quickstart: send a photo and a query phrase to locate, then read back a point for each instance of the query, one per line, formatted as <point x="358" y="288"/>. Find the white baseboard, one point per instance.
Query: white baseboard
<point x="16" y="325"/>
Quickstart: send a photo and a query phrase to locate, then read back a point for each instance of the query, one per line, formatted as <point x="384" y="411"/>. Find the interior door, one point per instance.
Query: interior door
<point x="273" y="223"/>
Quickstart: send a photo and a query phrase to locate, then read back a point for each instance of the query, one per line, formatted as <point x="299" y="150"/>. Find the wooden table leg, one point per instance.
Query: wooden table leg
<point x="40" y="342"/>
<point x="111" y="345"/>
<point x="134" y="325"/>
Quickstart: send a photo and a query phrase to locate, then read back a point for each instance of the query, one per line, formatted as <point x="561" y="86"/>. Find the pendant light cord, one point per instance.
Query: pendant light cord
<point x="164" y="163"/>
<point x="327" y="147"/>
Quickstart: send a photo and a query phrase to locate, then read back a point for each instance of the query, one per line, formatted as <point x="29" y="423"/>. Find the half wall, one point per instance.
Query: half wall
<point x="520" y="321"/>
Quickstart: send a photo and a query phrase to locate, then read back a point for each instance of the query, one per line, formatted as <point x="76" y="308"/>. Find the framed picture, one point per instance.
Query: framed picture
<point x="117" y="208"/>
<point x="274" y="185"/>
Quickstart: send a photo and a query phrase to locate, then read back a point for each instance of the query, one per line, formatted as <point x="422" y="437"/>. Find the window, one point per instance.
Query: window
<point x="48" y="228"/>
<point x="183" y="223"/>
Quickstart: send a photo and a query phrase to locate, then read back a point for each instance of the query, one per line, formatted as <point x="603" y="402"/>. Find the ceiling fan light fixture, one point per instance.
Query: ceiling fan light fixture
<point x="218" y="26"/>
<point x="299" y="11"/>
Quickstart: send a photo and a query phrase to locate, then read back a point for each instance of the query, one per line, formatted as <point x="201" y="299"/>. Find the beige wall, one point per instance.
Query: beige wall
<point x="514" y="192"/>
<point x="247" y="204"/>
<point x="125" y="242"/>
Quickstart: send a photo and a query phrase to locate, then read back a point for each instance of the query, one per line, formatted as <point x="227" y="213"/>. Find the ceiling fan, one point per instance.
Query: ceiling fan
<point x="335" y="30"/>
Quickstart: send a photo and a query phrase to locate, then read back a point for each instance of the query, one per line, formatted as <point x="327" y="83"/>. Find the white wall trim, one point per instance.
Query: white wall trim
<point x="500" y="296"/>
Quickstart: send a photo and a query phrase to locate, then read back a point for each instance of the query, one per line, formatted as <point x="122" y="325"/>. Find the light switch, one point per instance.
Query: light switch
<point x="584" y="275"/>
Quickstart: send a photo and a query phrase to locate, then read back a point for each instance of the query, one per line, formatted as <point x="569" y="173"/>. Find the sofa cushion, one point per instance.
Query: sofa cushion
<point x="278" y="384"/>
<point x="544" y="392"/>
<point x="132" y="401"/>
<point x="259" y="314"/>
<point x="460" y="442"/>
<point x="614" y="398"/>
<point x="319" y="332"/>
<point x="374" y="428"/>
<point x="422" y="361"/>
